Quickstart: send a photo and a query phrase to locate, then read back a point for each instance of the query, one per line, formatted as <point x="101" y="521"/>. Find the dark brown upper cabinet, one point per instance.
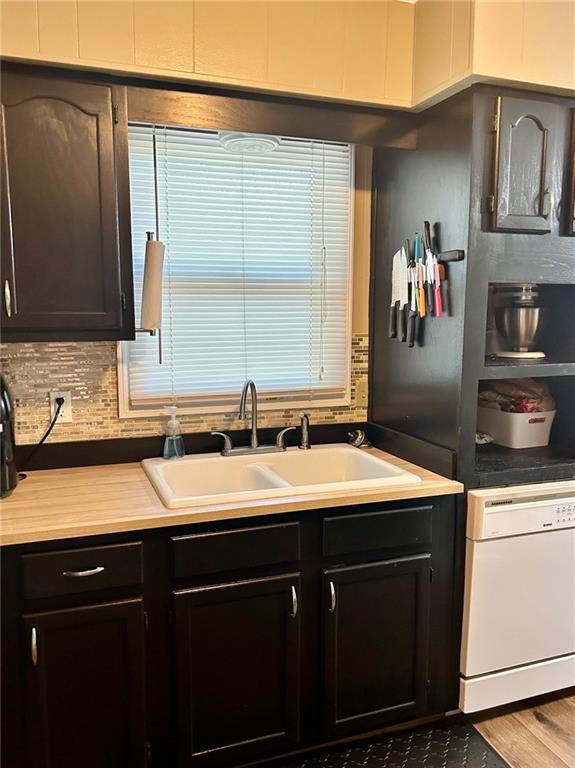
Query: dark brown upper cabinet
<point x="66" y="247"/>
<point x="524" y="195"/>
<point x="571" y="199"/>
<point x="85" y="689"/>
<point x="376" y="643"/>
<point x="237" y="670"/>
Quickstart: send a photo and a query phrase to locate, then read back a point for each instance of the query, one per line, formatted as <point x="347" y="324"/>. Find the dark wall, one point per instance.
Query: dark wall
<point x="417" y="390"/>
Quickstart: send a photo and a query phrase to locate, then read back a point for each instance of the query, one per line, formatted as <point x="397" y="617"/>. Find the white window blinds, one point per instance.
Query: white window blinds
<point x="257" y="270"/>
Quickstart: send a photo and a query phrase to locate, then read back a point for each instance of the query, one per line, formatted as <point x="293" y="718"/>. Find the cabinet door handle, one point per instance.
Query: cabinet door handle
<point x="294" y="604"/>
<point x="34" y="646"/>
<point x="548" y="192"/>
<point x="7" y="298"/>
<point x="332" y="598"/>
<point x="82" y="574"/>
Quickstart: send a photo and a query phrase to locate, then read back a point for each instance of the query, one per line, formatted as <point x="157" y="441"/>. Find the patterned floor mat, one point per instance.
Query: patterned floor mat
<point x="456" y="745"/>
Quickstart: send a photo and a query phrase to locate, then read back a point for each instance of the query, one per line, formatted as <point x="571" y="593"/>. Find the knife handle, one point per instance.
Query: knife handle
<point x="422" y="310"/>
<point x="392" y="322"/>
<point x="402" y="328"/>
<point x="411" y="321"/>
<point x="427" y="235"/>
<point x="413" y="330"/>
<point x="429" y="295"/>
<point x="455" y="255"/>
<point x="438" y="301"/>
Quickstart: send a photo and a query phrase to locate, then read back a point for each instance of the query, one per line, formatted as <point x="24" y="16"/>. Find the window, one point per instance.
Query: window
<point x="257" y="274"/>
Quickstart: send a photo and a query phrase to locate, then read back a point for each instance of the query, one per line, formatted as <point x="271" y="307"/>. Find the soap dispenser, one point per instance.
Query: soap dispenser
<point x="174" y="442"/>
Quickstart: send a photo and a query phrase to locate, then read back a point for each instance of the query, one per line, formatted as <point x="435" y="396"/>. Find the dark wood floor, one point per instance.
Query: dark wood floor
<point x="537" y="734"/>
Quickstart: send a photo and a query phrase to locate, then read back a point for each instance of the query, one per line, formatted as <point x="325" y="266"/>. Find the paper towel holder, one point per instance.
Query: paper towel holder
<point x="153" y="331"/>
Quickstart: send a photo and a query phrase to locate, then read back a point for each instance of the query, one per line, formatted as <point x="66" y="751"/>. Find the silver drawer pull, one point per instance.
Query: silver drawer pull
<point x="294" y="605"/>
<point x="82" y="574"/>
<point x="34" y="646"/>
<point x="332" y="600"/>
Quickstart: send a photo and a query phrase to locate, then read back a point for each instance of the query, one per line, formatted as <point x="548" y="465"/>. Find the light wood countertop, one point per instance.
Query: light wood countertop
<point x="86" y="501"/>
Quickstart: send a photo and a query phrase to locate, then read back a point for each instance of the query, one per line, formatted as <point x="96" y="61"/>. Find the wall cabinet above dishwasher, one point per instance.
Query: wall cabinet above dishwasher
<point x="66" y="254"/>
<point x="527" y="164"/>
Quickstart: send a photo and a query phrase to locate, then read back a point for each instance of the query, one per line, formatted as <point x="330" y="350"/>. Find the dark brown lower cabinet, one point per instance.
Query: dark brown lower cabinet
<point x="376" y="637"/>
<point x="258" y="637"/>
<point x="86" y="686"/>
<point x="237" y="669"/>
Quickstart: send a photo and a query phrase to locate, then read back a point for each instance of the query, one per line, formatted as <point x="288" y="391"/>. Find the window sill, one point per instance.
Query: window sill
<point x="126" y="411"/>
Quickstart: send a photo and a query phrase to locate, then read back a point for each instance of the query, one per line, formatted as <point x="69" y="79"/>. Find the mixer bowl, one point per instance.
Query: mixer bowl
<point x="520" y="327"/>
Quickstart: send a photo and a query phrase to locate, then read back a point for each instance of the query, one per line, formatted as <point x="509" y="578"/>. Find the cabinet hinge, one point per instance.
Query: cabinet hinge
<point x="148" y="753"/>
<point x="431" y="574"/>
<point x="491" y="204"/>
<point x="146" y="621"/>
<point x="123" y="301"/>
<point x="428" y="685"/>
<point x="115" y="114"/>
<point x="494" y="122"/>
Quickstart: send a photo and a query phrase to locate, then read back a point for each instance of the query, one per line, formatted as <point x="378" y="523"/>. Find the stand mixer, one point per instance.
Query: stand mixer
<point x="519" y="320"/>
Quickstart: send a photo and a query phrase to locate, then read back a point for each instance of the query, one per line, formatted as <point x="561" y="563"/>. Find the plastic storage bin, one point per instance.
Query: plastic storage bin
<point x="516" y="430"/>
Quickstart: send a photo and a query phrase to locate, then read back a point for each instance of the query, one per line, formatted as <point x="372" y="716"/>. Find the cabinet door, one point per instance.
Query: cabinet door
<point x="85" y="691"/>
<point x="376" y="633"/>
<point x="65" y="238"/>
<point x="526" y="145"/>
<point x="571" y="199"/>
<point x="237" y="669"/>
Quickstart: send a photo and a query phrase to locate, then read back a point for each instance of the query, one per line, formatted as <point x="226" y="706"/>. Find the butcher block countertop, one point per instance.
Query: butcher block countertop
<point x="86" y="501"/>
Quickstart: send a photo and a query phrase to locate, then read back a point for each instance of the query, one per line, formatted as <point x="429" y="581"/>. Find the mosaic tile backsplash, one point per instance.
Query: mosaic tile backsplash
<point x="88" y="370"/>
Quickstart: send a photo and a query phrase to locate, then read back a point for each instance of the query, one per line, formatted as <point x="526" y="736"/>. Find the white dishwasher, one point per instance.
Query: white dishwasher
<point x="519" y="607"/>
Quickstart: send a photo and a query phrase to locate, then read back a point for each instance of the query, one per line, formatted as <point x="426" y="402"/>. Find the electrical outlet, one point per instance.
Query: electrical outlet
<point x="361" y="393"/>
<point x="65" y="416"/>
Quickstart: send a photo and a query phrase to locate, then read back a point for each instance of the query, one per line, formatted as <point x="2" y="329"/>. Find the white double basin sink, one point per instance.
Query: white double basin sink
<point x="210" y="478"/>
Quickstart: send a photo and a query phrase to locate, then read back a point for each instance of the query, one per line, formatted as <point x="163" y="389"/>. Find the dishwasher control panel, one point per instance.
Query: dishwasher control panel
<point x="508" y="516"/>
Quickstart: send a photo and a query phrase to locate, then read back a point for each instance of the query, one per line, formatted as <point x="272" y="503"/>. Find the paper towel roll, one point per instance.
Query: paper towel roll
<point x="151" y="315"/>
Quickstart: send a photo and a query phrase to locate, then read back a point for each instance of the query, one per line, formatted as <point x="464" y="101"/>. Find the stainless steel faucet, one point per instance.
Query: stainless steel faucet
<point x="255" y="447"/>
<point x="251" y="387"/>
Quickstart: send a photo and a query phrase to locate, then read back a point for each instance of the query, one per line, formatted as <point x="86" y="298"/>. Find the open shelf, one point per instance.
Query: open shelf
<point x="496" y="465"/>
<point x="556" y="337"/>
<point x="505" y="369"/>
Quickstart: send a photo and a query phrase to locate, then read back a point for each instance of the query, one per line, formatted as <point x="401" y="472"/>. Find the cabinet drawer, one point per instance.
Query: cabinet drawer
<point x="49" y="574"/>
<point x="205" y="553"/>
<point x="377" y="530"/>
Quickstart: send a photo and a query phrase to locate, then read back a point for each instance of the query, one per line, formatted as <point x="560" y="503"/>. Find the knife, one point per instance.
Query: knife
<point x="430" y="268"/>
<point x="413" y="317"/>
<point x="420" y="276"/>
<point x="437" y="288"/>
<point x="427" y="236"/>
<point x="403" y="292"/>
<point x="394" y="306"/>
